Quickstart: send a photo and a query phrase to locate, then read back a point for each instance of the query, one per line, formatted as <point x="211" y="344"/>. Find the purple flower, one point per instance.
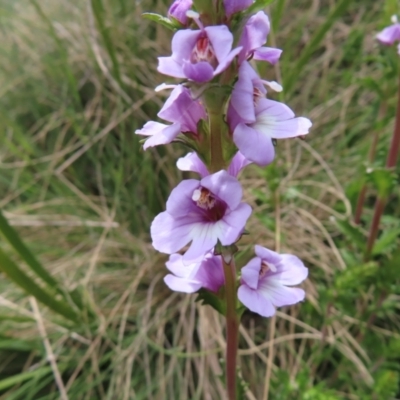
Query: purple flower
<point x="199" y="55"/>
<point x="192" y="162"/>
<point x="178" y="10"/>
<point x="234" y="6"/>
<point x="265" y="280"/>
<point x="203" y="213"/>
<point x="207" y="273"/>
<point x="254" y="36"/>
<point x="248" y="89"/>
<point x="255" y="120"/>
<point x="181" y="110"/>
<point x="391" y="33"/>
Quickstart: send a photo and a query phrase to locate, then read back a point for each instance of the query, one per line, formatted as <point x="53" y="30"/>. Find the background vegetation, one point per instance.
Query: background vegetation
<point x="84" y="312"/>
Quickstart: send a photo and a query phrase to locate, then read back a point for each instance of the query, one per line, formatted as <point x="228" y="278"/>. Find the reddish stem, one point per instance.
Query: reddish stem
<point x="371" y="157"/>
<point x="390" y="163"/>
<point x="232" y="328"/>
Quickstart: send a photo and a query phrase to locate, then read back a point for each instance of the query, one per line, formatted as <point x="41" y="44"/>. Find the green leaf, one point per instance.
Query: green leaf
<point x="312" y="45"/>
<point x="211" y="299"/>
<point x="31" y="287"/>
<point x="15" y="241"/>
<point x="24" y="376"/>
<point x="352" y="232"/>
<point x="386" y="384"/>
<point x="101" y="16"/>
<point x="12" y="237"/>
<point x="372" y="85"/>
<point x="387" y="242"/>
<point x="258" y="5"/>
<point x="356" y="276"/>
<point x="383" y="179"/>
<point x="173" y="26"/>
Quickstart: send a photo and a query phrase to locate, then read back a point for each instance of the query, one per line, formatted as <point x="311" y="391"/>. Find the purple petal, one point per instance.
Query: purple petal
<point x="239" y="161"/>
<point x="211" y="273"/>
<point x="164" y="136"/>
<point x="255" y="302"/>
<point x="276" y="120"/>
<point x="254" y="34"/>
<point x="178" y="10"/>
<point x="225" y="187"/>
<point x="180" y="203"/>
<point x="181" y="284"/>
<point x="204" y="237"/>
<point x="200" y="72"/>
<point x="243" y="92"/>
<point x="207" y="273"/>
<point x="169" y="66"/>
<point x="234" y="6"/>
<point x="224" y="64"/>
<point x="183" y="43"/>
<point x="169" y="235"/>
<point x="233" y="223"/>
<point x="268" y="54"/>
<point x="280" y="295"/>
<point x="251" y="272"/>
<point x="177" y="267"/>
<point x="267" y="255"/>
<point x="221" y="40"/>
<point x="389" y="35"/>
<point x="254" y="145"/>
<point x="192" y="162"/>
<point x="151" y="128"/>
<point x="291" y="270"/>
<point x="180" y="107"/>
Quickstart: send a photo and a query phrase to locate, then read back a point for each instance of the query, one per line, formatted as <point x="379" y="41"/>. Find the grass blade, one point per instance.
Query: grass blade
<point x="16" y="379"/>
<point x="15" y="241"/>
<point x="20" y="278"/>
<point x="318" y="36"/>
<point x="13" y="238"/>
<point x="99" y="13"/>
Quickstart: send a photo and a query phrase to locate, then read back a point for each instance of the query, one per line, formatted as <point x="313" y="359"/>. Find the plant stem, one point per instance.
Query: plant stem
<point x="215" y="99"/>
<point x="217" y="160"/>
<point x="390" y="163"/>
<point x="371" y="157"/>
<point x="232" y="328"/>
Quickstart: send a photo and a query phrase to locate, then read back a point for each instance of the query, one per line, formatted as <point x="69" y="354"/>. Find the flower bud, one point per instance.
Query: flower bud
<point x="178" y="10"/>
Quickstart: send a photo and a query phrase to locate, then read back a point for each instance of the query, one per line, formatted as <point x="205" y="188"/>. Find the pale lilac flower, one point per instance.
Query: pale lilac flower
<point x="199" y="55"/>
<point x="207" y="273"/>
<point x="390" y="34"/>
<point x="255" y="120"/>
<point x="192" y="162"/>
<point x="234" y="6"/>
<point x="248" y="89"/>
<point x="182" y="111"/>
<point x="274" y="120"/>
<point x="203" y="213"/>
<point x="178" y="10"/>
<point x="265" y="280"/>
<point x="254" y="36"/>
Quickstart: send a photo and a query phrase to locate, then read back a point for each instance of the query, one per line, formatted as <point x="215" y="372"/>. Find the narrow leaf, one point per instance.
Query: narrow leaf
<point x="13" y="238"/>
<point x="387" y="242"/>
<point x="24" y="376"/>
<point x="211" y="299"/>
<point x="258" y="5"/>
<point x="312" y="45"/>
<point x="31" y="287"/>
<point x="173" y="26"/>
<point x="352" y="233"/>
<point x="15" y="241"/>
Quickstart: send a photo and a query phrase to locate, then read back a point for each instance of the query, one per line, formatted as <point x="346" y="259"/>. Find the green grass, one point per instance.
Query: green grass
<point x="76" y="80"/>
